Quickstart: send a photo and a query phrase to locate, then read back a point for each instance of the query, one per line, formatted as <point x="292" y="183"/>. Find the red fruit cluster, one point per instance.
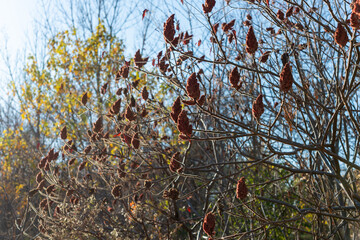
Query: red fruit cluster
<point x="139" y="61"/>
<point x="144" y="94"/>
<point x="251" y="41"/>
<point x="234" y="78"/>
<point x="135" y="141"/>
<point x="63" y="133"/>
<point x="258" y="107"/>
<point x="209" y="224"/>
<point x="341" y="36"/>
<point x="169" y="29"/>
<point x="175" y="110"/>
<point x="124" y="72"/>
<point x="228" y="26"/>
<point x="183" y="124"/>
<point x="286" y="78"/>
<point x="208" y="6"/>
<point x="265" y="56"/>
<point x="129" y="114"/>
<point x="241" y="189"/>
<point x="193" y="87"/>
<point x="355" y="15"/>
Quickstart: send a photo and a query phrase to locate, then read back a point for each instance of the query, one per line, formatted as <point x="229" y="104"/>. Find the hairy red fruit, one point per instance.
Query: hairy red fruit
<point x="209" y="224"/>
<point x="139" y="61"/>
<point x="175" y="165"/>
<point x="234" y="78"/>
<point x="286" y="78"/>
<point x="169" y="29"/>
<point x="183" y="124"/>
<point x="251" y="42"/>
<point x="208" y="6"/>
<point x="175" y="110"/>
<point x="215" y="27"/>
<point x="201" y="100"/>
<point x="341" y="36"/>
<point x="98" y="125"/>
<point x="241" y="189"/>
<point x="193" y="87"/>
<point x="115" y="108"/>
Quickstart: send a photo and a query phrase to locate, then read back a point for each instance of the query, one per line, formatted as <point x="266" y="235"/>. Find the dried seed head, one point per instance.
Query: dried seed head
<point x="208" y="6"/>
<point x="104" y="88"/>
<point x="98" y="125"/>
<point x="169" y="29"/>
<point x="82" y="165"/>
<point x="201" y="100"/>
<point x="193" y="87"/>
<point x="87" y="149"/>
<point x="241" y="189"/>
<point x="355" y="20"/>
<point x="289" y="12"/>
<point x="280" y="15"/>
<point x="187" y="38"/>
<point x="39" y="177"/>
<point x="123" y="72"/>
<point x="265" y="56"/>
<point x="234" y="78"/>
<point x="258" y="107"/>
<point x="175" y="110"/>
<point x="215" y="27"/>
<point x="175" y="165"/>
<point x="147" y="184"/>
<point x="129" y="114"/>
<point x="251" y="42"/>
<point x="115" y="108"/>
<point x="228" y="26"/>
<point x="209" y="224"/>
<point x="126" y="138"/>
<point x="135" y="141"/>
<point x="144" y="94"/>
<point x="341" y="36"/>
<point x="63" y="133"/>
<point x="116" y="191"/>
<point x="183" y="124"/>
<point x="139" y="61"/>
<point x="286" y="78"/>
<point x="172" y="193"/>
<point x="84" y="98"/>
<point x="71" y="161"/>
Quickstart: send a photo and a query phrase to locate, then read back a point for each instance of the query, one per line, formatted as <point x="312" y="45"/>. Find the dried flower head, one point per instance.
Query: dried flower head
<point x="183" y="124"/>
<point x="115" y="108"/>
<point x="258" y="107"/>
<point x="139" y="61"/>
<point x="234" y="78"/>
<point x="82" y="165"/>
<point x="208" y="6"/>
<point x="341" y="36"/>
<point x="124" y="71"/>
<point x="63" y="133"/>
<point x="84" y="98"/>
<point x="209" y="224"/>
<point x="215" y="27"/>
<point x="251" y="42"/>
<point x="175" y="110"/>
<point x="147" y="184"/>
<point x="71" y="161"/>
<point x="193" y="87"/>
<point x="169" y="29"/>
<point x="241" y="189"/>
<point x="175" y="165"/>
<point x="104" y="88"/>
<point x="286" y="78"/>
